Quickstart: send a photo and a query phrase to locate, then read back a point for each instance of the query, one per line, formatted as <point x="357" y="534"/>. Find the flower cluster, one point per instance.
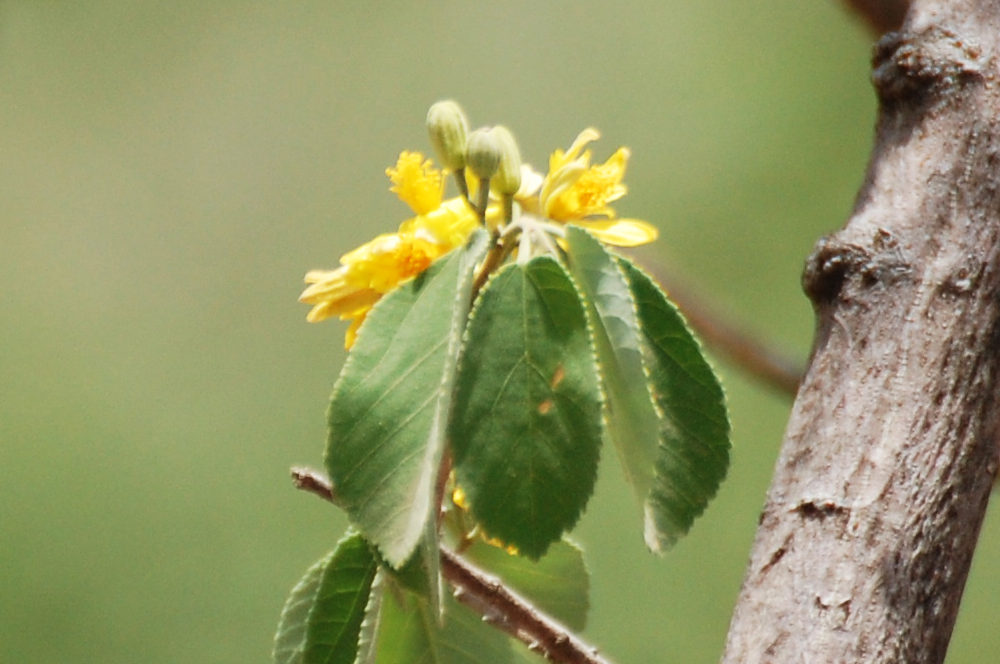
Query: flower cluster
<point x="496" y="190"/>
<point x="377" y="267"/>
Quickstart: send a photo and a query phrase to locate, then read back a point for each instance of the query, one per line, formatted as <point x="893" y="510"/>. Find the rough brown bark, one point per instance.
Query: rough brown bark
<point x="874" y="511"/>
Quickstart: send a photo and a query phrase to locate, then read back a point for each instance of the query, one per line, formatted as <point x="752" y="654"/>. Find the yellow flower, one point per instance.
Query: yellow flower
<point x="416" y="182"/>
<point x="379" y="266"/>
<point x="574" y="191"/>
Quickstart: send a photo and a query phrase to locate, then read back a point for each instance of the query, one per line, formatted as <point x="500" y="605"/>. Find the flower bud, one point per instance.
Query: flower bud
<point x="482" y="154"/>
<point x="507" y="180"/>
<point x="449" y="131"/>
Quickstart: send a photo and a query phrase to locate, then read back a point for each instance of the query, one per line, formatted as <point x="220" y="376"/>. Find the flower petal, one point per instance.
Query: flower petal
<point x="450" y="224"/>
<point x="556" y="185"/>
<point x="352" y="330"/>
<point x="560" y="158"/>
<point x="416" y="182"/>
<point x="621" y="232"/>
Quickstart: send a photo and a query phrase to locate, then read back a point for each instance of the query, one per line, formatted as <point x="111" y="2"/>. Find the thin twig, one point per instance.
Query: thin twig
<point x="313" y="482"/>
<point x="488" y="596"/>
<point x="501" y="246"/>
<point x="748" y="353"/>
<point x="490" y="263"/>
<point x="513" y="614"/>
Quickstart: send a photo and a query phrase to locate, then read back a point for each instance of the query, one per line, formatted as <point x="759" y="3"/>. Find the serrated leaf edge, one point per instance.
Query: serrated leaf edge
<point x="470" y="253"/>
<point x="593" y="359"/>
<point x="662" y="543"/>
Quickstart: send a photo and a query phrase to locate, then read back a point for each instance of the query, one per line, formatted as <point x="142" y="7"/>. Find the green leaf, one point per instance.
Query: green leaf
<point x="368" y="636"/>
<point x="410" y="633"/>
<point x="632" y="417"/>
<point x="390" y="405"/>
<point x="693" y="454"/>
<point x="423" y="567"/>
<point x="526" y="428"/>
<point x="558" y="583"/>
<point x="322" y="618"/>
<point x="290" y="640"/>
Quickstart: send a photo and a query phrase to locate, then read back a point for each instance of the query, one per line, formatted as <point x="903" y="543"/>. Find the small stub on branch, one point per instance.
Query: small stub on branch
<point x="909" y="65"/>
<point x="835" y="262"/>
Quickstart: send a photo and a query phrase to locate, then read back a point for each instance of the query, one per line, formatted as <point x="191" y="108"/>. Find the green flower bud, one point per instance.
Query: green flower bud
<point x="449" y="131"/>
<point x="507" y="180"/>
<point x="482" y="154"/>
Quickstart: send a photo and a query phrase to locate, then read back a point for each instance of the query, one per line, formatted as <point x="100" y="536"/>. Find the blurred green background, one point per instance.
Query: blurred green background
<point x="168" y="171"/>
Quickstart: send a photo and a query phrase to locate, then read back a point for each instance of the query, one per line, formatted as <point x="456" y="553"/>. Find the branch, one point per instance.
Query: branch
<point x="882" y="15"/>
<point x="311" y="481"/>
<point x="744" y="351"/>
<point x="488" y="596"/>
<point x="869" y="527"/>
<point x="513" y="614"/>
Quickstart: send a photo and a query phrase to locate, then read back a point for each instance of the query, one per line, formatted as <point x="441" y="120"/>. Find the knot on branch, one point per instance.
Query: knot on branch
<point x="835" y="263"/>
<point x="914" y="66"/>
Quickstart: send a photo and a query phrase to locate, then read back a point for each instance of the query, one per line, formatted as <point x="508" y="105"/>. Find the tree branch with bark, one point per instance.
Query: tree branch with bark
<point x="882" y="483"/>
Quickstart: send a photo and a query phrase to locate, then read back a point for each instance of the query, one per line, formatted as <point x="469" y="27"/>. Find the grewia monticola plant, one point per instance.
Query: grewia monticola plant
<point x="497" y="341"/>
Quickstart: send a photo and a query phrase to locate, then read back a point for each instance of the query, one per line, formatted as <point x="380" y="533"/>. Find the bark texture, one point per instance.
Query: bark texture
<point x="870" y="523"/>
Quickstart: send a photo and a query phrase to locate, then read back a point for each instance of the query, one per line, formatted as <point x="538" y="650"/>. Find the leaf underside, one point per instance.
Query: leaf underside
<point x="665" y="410"/>
<point x="389" y="407"/>
<point x="632" y="417"/>
<point x="321" y="621"/>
